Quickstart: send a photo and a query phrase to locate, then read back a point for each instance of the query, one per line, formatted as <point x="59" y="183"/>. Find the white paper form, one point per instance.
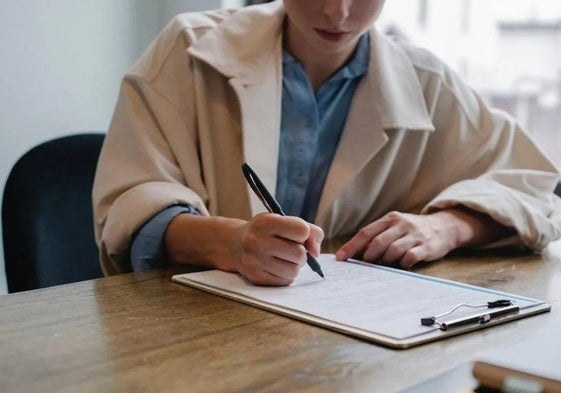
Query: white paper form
<point x="382" y="300"/>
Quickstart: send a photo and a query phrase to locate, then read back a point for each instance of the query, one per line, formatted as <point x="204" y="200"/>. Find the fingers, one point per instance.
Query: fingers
<point x="361" y="241"/>
<point x="288" y="251"/>
<point x="398" y="237"/>
<point x="392" y="246"/>
<point x="273" y="272"/>
<point x="313" y="243"/>
<point x="275" y="247"/>
<point x="415" y="255"/>
<point x="290" y="229"/>
<point x="397" y="247"/>
<point x="387" y="243"/>
<point x="284" y="227"/>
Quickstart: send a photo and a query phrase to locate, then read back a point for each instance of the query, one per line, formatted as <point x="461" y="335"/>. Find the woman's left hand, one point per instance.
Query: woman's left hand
<point x="407" y="239"/>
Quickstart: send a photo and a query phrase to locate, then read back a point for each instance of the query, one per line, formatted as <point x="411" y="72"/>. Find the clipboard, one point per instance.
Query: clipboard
<point x="379" y="304"/>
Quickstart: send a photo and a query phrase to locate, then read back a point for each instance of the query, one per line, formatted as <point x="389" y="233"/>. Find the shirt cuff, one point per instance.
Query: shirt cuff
<point x="147" y="249"/>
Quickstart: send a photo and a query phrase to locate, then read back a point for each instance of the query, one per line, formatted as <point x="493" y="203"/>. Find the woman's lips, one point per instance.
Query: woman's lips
<point x="333" y="36"/>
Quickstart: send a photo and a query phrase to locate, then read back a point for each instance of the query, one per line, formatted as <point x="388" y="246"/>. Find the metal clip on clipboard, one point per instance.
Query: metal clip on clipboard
<point x="500" y="307"/>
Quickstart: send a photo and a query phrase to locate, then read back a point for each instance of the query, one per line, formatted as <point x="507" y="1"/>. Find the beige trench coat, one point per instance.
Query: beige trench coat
<point x="206" y="96"/>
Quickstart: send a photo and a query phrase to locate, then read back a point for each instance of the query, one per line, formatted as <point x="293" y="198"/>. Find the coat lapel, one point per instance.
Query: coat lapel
<point x="260" y="106"/>
<point x="246" y="48"/>
<point x="356" y="147"/>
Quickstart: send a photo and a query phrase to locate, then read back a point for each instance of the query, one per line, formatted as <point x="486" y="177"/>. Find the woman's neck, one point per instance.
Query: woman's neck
<point x="319" y="66"/>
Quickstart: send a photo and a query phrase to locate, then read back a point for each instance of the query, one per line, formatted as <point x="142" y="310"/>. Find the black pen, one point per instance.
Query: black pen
<point x="273" y="207"/>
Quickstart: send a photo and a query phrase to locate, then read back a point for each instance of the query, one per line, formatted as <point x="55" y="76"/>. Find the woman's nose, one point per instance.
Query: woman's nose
<point x="336" y="10"/>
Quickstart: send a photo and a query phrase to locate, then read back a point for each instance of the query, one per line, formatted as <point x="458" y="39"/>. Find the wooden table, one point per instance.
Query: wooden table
<point x="143" y="333"/>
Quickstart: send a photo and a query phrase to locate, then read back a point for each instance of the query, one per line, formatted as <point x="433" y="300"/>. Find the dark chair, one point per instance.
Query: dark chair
<point x="47" y="217"/>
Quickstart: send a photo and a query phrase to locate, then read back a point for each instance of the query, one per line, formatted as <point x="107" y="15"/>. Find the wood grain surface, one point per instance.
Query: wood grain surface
<point x="141" y="332"/>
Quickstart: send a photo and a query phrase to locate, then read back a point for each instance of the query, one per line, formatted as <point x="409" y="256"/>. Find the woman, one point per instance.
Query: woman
<point x="354" y="133"/>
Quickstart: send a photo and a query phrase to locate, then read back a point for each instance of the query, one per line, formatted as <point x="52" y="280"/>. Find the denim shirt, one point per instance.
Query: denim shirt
<point x="311" y="126"/>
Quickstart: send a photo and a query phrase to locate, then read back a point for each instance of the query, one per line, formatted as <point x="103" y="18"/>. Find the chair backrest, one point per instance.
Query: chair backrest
<point x="47" y="216"/>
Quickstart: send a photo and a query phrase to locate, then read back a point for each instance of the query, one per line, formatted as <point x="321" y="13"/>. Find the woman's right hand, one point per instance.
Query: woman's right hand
<point x="269" y="249"/>
<point x="273" y="248"/>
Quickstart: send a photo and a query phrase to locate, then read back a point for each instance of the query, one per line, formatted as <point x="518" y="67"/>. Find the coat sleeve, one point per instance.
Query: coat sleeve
<point x="496" y="168"/>
<point x="138" y="174"/>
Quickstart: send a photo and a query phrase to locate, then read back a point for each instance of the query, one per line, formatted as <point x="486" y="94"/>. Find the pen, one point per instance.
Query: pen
<point x="273" y="207"/>
<point x="480" y="318"/>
